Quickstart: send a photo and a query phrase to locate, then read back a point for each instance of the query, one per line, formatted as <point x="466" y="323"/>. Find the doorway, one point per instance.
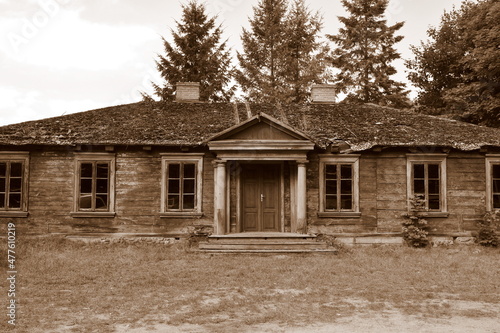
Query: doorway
<point x="260" y="197"/>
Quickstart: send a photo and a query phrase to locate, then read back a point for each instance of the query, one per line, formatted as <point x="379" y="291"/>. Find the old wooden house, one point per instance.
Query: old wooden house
<point x="233" y="169"/>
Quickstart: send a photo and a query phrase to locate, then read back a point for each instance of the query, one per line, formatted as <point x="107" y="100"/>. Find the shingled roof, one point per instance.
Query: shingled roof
<point x="191" y="124"/>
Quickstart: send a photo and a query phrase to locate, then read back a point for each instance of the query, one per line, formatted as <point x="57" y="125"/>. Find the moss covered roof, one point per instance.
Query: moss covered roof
<point x="191" y="124"/>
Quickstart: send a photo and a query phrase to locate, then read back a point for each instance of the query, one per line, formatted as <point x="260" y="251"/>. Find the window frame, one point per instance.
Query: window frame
<point x="94" y="158"/>
<point x="17" y="157"/>
<point x="439" y="159"/>
<point x="490" y="161"/>
<point x="352" y="160"/>
<point x="181" y="158"/>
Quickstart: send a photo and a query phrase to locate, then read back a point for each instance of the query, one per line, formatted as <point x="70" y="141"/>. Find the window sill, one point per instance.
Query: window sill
<point x="340" y="214"/>
<point x="433" y="214"/>
<point x="13" y="214"/>
<point x="92" y="214"/>
<point x="181" y="214"/>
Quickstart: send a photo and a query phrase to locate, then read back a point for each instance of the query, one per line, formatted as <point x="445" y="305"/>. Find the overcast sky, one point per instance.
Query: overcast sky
<point x="64" y="56"/>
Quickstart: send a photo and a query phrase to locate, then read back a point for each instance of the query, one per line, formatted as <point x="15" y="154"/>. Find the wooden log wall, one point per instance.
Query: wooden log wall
<point x="137" y="197"/>
<point x="383" y="195"/>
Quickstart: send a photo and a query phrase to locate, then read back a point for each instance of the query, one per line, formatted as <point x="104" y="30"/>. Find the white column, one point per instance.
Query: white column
<point x="301" y="196"/>
<point x="220" y="197"/>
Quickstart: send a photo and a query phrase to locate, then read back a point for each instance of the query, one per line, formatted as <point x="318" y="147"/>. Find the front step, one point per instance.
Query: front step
<point x="263" y="243"/>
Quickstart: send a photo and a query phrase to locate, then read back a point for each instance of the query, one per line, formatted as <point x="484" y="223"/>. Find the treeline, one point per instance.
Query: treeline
<point x="284" y="53"/>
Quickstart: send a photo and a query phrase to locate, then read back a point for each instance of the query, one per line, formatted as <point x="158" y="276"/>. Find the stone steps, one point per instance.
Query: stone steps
<point x="263" y="243"/>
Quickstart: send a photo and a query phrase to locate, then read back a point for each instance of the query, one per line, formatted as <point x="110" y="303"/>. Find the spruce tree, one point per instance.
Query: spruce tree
<point x="196" y="55"/>
<point x="262" y="63"/>
<point x="306" y="59"/>
<point x="364" y="54"/>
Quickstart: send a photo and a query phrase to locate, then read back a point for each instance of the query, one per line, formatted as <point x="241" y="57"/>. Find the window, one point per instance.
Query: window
<point x="339" y="183"/>
<point x="181" y="184"/>
<point x="427" y="180"/>
<point x="13" y="184"/>
<point x="493" y="183"/>
<point x="94" y="192"/>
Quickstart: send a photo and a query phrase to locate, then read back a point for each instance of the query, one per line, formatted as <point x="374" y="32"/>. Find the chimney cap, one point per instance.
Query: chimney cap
<point x="323" y="93"/>
<point x="187" y="92"/>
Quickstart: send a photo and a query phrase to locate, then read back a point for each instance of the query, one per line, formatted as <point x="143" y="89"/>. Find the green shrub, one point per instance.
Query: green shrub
<point x="415" y="227"/>
<point x="487" y="235"/>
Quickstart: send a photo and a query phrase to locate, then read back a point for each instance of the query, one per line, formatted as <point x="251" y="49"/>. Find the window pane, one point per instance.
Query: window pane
<point x="102" y="186"/>
<point x="189" y="170"/>
<point x="2" y="200"/>
<point x="419" y="186"/>
<point x="86" y="170"/>
<point x="86" y="186"/>
<point x="331" y="187"/>
<point x="15" y="185"/>
<point x="15" y="200"/>
<point x="433" y="170"/>
<point x="331" y="202"/>
<point x="496" y="171"/>
<point x="418" y="171"/>
<point x="188" y="186"/>
<point x="101" y="201"/>
<point x="3" y="169"/>
<point x="433" y="186"/>
<point x="173" y="202"/>
<point x="16" y="170"/>
<point x="496" y="201"/>
<point x="346" y="171"/>
<point x="2" y="185"/>
<point x="346" y="202"/>
<point x="433" y="201"/>
<point x="346" y="187"/>
<point x="496" y="186"/>
<point x="173" y="186"/>
<point x="331" y="171"/>
<point x="86" y="201"/>
<point x="173" y="170"/>
<point x="102" y="170"/>
<point x="188" y="202"/>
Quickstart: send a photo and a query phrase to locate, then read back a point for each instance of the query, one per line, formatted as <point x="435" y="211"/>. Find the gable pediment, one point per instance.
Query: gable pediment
<point x="261" y="137"/>
<point x="261" y="127"/>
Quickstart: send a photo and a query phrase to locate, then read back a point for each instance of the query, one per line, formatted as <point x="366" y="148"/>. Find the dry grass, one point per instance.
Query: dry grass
<point x="95" y="287"/>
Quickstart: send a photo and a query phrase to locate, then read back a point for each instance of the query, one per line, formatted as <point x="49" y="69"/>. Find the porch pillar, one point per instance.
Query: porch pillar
<point x="220" y="197"/>
<point x="301" y="196"/>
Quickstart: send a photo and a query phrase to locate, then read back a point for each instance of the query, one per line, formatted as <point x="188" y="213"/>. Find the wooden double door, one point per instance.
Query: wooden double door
<point x="260" y="197"/>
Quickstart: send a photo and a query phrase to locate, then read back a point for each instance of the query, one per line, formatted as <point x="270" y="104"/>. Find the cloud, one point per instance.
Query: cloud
<point x="65" y="41"/>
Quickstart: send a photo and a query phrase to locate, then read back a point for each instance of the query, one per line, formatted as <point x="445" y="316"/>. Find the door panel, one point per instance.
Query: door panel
<point x="260" y="197"/>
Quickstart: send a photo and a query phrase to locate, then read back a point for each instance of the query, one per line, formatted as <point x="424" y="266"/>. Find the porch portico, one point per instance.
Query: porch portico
<point x="255" y="160"/>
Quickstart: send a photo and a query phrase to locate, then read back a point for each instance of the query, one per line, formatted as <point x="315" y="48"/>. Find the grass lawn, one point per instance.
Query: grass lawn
<point x="70" y="286"/>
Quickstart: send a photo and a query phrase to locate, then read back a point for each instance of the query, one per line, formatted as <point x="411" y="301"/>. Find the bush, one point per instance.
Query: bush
<point x="415" y="227"/>
<point x="487" y="235"/>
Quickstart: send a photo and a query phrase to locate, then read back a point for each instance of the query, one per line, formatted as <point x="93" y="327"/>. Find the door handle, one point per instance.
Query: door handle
<point x="262" y="198"/>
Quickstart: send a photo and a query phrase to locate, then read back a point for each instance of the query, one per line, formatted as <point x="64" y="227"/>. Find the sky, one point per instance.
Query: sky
<point x="64" y="56"/>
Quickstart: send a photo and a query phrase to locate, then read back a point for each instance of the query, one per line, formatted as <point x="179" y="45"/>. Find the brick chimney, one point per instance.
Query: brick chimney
<point x="187" y="92"/>
<point x="323" y="93"/>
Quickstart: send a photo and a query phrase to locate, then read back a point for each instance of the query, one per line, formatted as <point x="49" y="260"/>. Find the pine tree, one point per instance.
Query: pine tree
<point x="196" y="55"/>
<point x="306" y="59"/>
<point x="364" y="54"/>
<point x="262" y="63"/>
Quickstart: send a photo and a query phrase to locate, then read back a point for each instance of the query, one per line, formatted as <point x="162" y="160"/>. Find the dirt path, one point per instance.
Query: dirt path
<point x="477" y="317"/>
<point x="368" y="322"/>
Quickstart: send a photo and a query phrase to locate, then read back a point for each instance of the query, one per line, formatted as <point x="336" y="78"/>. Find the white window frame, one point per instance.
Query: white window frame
<point x="350" y="159"/>
<point x="490" y="161"/>
<point x="92" y="158"/>
<point x="13" y="157"/>
<point x="434" y="159"/>
<point x="197" y="159"/>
